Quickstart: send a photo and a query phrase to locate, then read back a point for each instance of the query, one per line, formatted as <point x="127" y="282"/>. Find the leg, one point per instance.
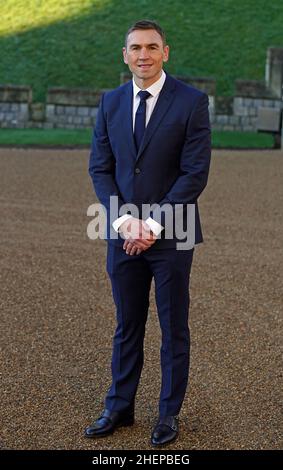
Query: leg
<point x="131" y="279"/>
<point x="171" y="270"/>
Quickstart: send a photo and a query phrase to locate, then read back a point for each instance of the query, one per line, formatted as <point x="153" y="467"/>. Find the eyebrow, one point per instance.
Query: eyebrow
<point x="148" y="45"/>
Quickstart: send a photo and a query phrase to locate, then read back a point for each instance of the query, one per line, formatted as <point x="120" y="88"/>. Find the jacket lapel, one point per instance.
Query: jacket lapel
<point x="126" y="114"/>
<point x="126" y="117"/>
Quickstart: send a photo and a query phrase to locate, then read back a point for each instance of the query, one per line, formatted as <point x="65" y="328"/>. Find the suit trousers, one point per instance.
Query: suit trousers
<point x="131" y="278"/>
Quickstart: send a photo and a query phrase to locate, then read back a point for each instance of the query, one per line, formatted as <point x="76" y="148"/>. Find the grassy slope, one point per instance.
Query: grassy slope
<point x="78" y="42"/>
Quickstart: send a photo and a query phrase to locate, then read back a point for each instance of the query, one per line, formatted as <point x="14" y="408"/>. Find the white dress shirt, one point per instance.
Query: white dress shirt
<point x="154" y="90"/>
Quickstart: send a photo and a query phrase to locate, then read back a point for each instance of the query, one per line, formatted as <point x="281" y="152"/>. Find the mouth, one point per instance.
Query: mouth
<point x="144" y="66"/>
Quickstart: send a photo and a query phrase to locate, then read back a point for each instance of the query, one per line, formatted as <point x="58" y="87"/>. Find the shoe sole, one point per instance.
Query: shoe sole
<point x="121" y="425"/>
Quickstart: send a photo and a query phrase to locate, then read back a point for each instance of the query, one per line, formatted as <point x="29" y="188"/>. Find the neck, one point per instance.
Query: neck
<point x="144" y="83"/>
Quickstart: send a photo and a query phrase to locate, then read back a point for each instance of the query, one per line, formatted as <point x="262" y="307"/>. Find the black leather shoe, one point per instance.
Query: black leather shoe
<point x="108" y="422"/>
<point x="165" y="431"/>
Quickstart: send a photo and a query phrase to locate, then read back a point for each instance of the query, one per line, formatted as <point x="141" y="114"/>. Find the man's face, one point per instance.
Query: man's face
<point x="145" y="54"/>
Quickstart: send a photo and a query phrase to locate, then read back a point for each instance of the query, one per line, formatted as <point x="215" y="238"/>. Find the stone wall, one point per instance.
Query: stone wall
<point x="72" y="108"/>
<point x="245" y="116"/>
<point x="14" y="105"/>
<point x="77" y="108"/>
<point x="65" y="108"/>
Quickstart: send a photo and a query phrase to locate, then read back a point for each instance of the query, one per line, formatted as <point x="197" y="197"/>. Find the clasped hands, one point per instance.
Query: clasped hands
<point x="138" y="236"/>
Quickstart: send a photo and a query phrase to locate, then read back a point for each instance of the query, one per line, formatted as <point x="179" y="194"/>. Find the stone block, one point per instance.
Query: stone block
<point x="15" y="94"/>
<point x="77" y="120"/>
<point x="269" y="119"/>
<point x="224" y="104"/>
<point x="60" y="110"/>
<point x="252" y="111"/>
<point x="252" y="89"/>
<point x="93" y="112"/>
<point x="267" y="103"/>
<point x="10" y="116"/>
<point x="5" y="107"/>
<point x="240" y="110"/>
<point x="74" y="96"/>
<point x="83" y="111"/>
<point x="50" y="111"/>
<point x="37" y="112"/>
<point x="245" y="120"/>
<point x="221" y="118"/>
<point x="87" y="121"/>
<point x="62" y="118"/>
<point x="14" y="107"/>
<point x="71" y="110"/>
<point x="274" y="70"/>
<point x="234" y="120"/>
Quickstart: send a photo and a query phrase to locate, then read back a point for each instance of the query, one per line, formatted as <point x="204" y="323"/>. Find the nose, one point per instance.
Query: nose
<point x="144" y="53"/>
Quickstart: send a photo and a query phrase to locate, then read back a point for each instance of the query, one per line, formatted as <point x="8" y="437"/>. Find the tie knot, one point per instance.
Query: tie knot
<point x="144" y="95"/>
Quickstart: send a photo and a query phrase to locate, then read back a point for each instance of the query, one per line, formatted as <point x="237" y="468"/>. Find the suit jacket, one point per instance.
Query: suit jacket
<point x="172" y="164"/>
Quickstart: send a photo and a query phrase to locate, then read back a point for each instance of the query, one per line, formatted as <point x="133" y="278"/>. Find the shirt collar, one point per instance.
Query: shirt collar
<point x="153" y="89"/>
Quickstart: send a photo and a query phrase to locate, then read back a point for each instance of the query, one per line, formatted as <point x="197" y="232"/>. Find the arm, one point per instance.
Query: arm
<point x="102" y="163"/>
<point x="194" y="161"/>
<point x="102" y="171"/>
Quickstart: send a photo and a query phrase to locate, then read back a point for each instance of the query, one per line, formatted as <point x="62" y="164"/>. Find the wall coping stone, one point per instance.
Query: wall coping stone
<point x="74" y="96"/>
<point x="15" y="93"/>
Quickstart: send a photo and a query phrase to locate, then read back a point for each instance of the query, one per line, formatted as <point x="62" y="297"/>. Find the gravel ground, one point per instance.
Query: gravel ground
<point x="57" y="313"/>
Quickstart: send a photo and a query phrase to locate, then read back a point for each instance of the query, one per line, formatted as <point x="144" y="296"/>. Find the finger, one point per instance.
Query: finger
<point x="133" y="250"/>
<point x="141" y="243"/>
<point x="129" y="247"/>
<point x="126" y="242"/>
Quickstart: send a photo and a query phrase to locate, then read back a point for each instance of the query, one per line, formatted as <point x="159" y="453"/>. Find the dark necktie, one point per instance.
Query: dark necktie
<point x="140" y="118"/>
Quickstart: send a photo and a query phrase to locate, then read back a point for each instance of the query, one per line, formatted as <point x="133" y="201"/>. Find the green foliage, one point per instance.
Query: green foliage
<point x="78" y="42"/>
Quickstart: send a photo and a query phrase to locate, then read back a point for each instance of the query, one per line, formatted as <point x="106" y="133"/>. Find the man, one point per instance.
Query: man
<point x="151" y="145"/>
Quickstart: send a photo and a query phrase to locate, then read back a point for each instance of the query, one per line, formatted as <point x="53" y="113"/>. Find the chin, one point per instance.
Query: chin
<point x="145" y="73"/>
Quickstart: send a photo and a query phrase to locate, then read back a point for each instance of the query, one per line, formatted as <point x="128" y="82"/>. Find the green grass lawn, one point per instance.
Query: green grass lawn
<point x="237" y="139"/>
<point x="45" y="137"/>
<point x="77" y="43"/>
<point x="62" y="137"/>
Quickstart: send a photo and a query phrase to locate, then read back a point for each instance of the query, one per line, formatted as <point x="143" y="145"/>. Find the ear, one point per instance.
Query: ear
<point x="125" y="55"/>
<point x="165" y="53"/>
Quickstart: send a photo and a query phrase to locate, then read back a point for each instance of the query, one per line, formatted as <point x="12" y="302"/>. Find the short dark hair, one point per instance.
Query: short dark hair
<point x="146" y="24"/>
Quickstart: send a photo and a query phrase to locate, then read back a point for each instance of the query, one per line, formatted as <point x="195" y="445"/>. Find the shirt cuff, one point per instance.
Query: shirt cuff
<point x="118" y="222"/>
<point x="155" y="227"/>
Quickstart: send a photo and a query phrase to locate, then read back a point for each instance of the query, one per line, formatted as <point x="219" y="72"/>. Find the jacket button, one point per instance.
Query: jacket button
<point x="137" y="171"/>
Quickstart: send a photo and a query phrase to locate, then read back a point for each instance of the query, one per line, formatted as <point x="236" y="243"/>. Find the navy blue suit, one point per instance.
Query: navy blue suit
<point x="171" y="167"/>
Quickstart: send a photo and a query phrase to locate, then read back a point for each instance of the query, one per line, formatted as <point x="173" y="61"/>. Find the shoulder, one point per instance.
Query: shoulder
<point x="113" y="95"/>
<point x="187" y="91"/>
